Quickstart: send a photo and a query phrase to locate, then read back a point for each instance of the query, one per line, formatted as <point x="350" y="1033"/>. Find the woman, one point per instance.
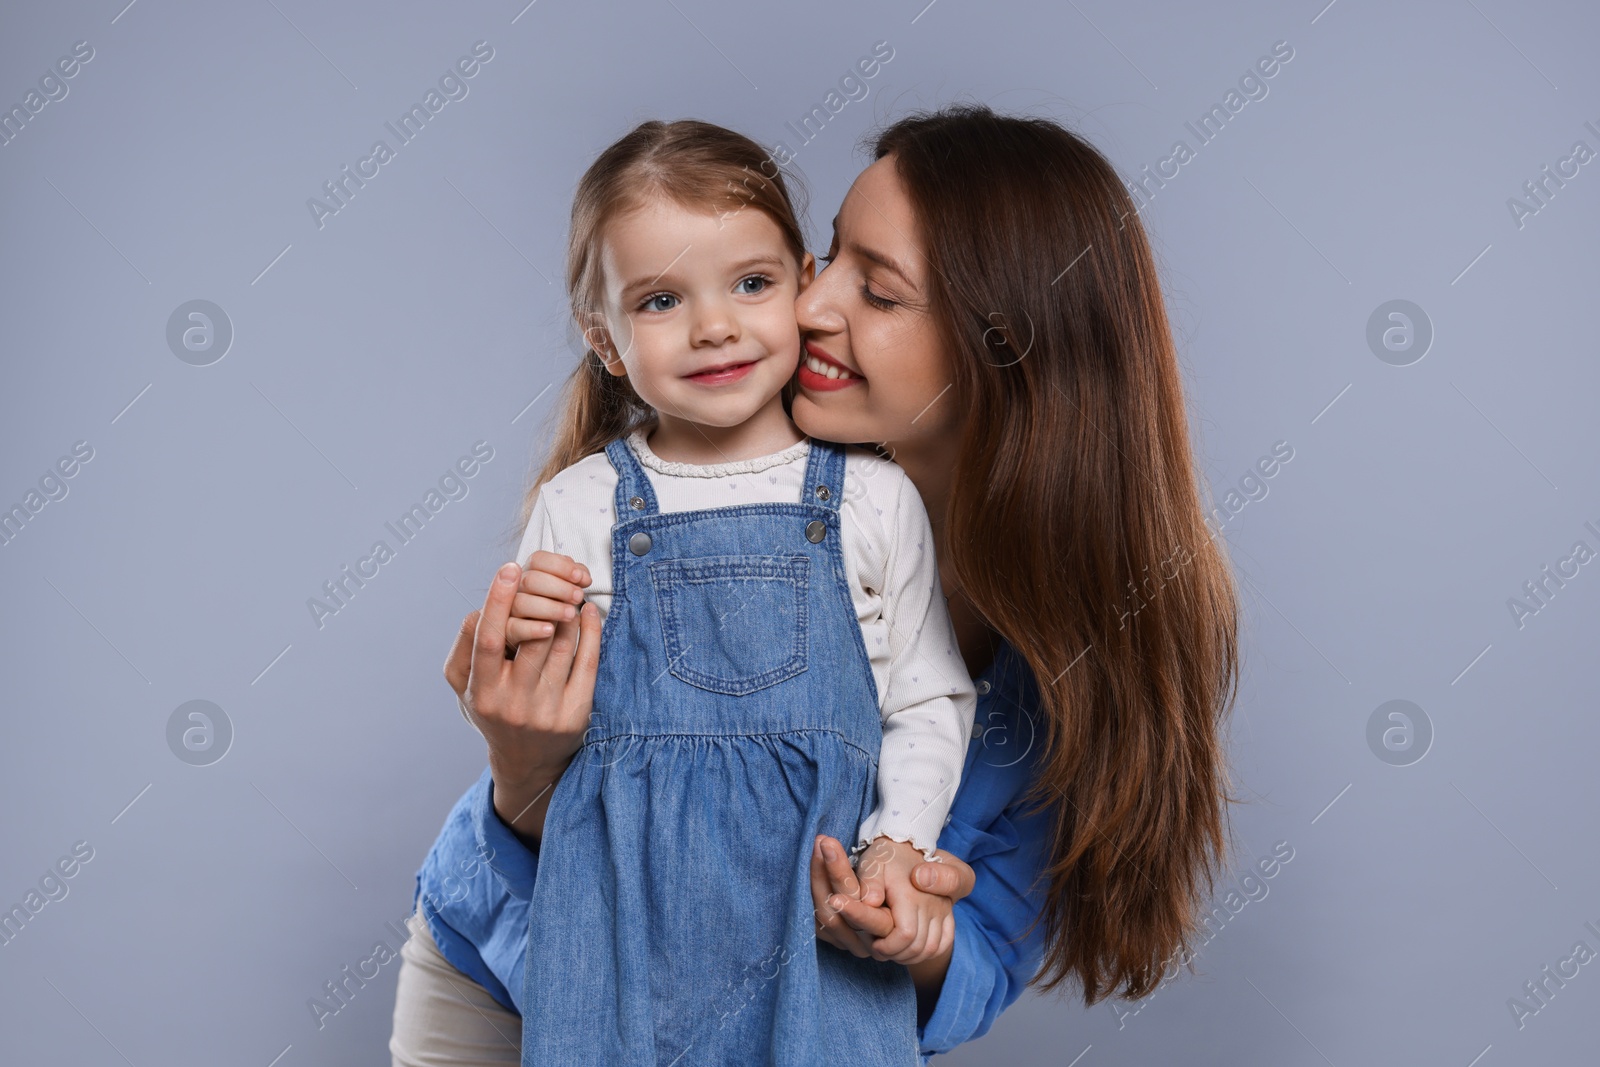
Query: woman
<point x="991" y="289"/>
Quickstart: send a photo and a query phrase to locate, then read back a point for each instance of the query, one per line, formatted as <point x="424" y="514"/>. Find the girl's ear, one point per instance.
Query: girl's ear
<point x="808" y="271"/>
<point x="597" y="337"/>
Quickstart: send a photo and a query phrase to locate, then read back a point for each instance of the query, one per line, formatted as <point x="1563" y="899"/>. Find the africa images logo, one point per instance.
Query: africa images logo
<point x="453" y="86"/>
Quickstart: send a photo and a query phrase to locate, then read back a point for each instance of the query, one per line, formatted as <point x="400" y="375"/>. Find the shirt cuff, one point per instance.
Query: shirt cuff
<point x="869" y="835"/>
<point x="514" y="863"/>
<point x="917" y="831"/>
<point x="963" y="1010"/>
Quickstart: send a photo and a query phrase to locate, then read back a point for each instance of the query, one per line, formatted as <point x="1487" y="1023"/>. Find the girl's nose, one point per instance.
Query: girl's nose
<point x="715" y="324"/>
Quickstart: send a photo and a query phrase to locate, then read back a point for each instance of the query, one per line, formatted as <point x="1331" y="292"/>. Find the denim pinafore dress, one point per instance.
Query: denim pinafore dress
<point x="735" y="717"/>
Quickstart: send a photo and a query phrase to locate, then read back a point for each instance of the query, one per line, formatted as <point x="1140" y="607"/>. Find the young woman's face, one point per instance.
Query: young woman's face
<point x="867" y="313"/>
<point x="698" y="310"/>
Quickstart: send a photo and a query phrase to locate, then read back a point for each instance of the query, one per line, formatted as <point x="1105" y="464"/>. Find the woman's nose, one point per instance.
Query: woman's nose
<point x="814" y="307"/>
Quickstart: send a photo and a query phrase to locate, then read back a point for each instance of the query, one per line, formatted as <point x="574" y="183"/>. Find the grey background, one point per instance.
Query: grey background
<point x="428" y="315"/>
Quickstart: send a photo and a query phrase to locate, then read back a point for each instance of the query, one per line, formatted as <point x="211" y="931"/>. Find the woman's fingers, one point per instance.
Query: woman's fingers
<point x="834" y="928"/>
<point x="489" y="643"/>
<point x="557" y="667"/>
<point x="820" y="889"/>
<point x="950" y="877"/>
<point x="532" y="668"/>
<point x="836" y="863"/>
<point x="871" y="921"/>
<point x="831" y="879"/>
<point x="586" y="663"/>
<point x="458" y="665"/>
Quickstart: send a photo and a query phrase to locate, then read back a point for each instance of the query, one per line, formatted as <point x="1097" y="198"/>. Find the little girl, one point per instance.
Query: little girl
<point x="776" y="660"/>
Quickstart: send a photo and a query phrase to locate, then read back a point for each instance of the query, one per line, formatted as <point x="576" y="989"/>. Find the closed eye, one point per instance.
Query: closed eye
<point x="874" y="299"/>
<point x="881" y="303"/>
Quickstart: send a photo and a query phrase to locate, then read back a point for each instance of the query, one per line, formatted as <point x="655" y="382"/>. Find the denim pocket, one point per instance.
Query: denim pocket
<point x="733" y="624"/>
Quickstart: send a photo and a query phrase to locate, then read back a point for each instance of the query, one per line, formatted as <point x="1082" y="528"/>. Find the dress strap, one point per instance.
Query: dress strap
<point x="634" y="494"/>
<point x="824" y="475"/>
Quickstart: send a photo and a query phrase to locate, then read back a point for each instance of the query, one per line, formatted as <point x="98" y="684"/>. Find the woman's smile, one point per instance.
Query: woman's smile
<point x="819" y="371"/>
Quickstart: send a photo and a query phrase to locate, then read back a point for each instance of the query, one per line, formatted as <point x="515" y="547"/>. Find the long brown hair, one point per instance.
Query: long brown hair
<point x="697" y="165"/>
<point x="1075" y="526"/>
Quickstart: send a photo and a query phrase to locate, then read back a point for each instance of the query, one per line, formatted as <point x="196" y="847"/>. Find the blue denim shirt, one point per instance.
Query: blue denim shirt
<point x="475" y="884"/>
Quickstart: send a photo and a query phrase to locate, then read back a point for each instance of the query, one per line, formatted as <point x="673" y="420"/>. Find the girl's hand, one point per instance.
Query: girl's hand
<point x="549" y="591"/>
<point x="533" y="709"/>
<point x="845" y="921"/>
<point x="922" y="919"/>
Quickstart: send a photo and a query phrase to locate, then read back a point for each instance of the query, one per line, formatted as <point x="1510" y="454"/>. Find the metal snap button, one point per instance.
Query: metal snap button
<point x="639" y="543"/>
<point x="637" y="503"/>
<point x="816" y="530"/>
<point x="823" y="493"/>
<point x="983" y="687"/>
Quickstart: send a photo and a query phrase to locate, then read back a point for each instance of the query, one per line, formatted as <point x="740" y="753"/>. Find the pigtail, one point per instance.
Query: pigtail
<point x="597" y="407"/>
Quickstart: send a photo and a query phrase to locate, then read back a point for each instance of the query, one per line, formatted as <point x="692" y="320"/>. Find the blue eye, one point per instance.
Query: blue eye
<point x="649" y="303"/>
<point x="762" y="280"/>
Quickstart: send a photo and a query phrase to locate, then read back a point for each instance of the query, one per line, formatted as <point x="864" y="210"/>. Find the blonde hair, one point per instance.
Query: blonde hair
<point x="696" y="165"/>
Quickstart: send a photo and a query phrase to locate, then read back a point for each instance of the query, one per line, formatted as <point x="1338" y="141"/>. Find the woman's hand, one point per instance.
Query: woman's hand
<point x="532" y="709"/>
<point x="845" y="921"/>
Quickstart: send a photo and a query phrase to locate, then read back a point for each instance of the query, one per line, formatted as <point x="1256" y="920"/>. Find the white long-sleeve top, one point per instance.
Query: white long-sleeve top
<point x="926" y="699"/>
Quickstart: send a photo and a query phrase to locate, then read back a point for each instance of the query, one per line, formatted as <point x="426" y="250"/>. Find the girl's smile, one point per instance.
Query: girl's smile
<point x="721" y="374"/>
<point x="696" y="310"/>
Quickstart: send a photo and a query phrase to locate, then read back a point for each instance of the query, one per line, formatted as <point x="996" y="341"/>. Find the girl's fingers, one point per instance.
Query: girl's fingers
<point x="924" y="933"/>
<point x="559" y="567"/>
<point x="543" y="608"/>
<point x="898" y="934"/>
<point x="541" y="595"/>
<point x="458" y="665"/>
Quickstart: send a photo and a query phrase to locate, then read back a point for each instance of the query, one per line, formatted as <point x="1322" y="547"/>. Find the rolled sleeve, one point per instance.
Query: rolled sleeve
<point x="998" y="946"/>
<point x="473" y="890"/>
<point x="513" y="862"/>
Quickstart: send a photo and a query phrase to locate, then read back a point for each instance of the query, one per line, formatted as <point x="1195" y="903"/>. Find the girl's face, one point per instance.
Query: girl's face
<point x="698" y="310"/>
<point x="867" y="313"/>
